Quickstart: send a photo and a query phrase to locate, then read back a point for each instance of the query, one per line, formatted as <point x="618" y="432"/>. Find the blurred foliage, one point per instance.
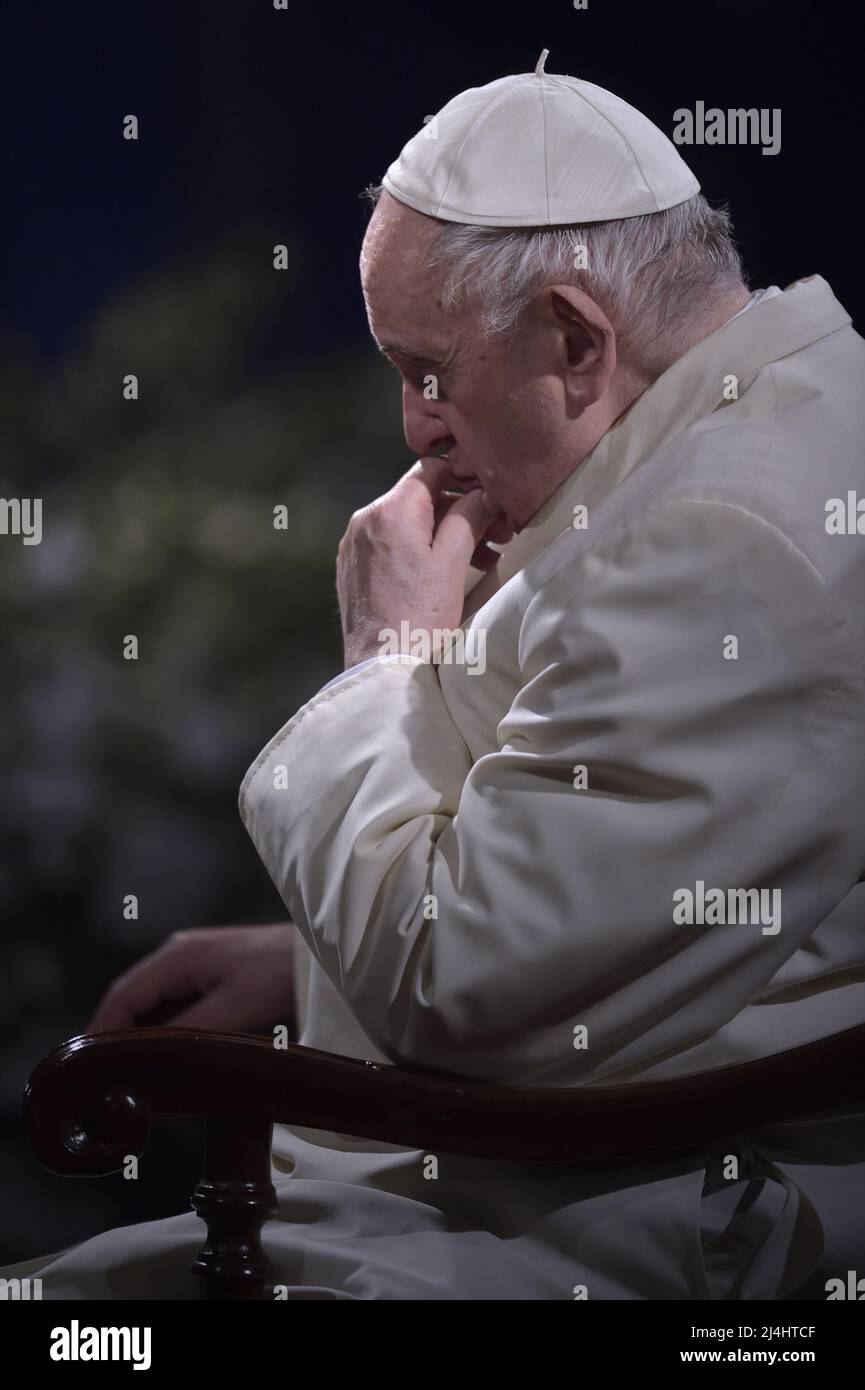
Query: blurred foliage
<point x="122" y="776"/>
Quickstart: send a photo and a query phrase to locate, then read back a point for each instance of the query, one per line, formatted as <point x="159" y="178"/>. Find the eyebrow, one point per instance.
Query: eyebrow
<point x="410" y="354"/>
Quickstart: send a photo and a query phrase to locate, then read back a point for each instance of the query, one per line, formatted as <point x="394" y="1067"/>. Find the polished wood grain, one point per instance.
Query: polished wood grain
<point x="88" y="1105"/>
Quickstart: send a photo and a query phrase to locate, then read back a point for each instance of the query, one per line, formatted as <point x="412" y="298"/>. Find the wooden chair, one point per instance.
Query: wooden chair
<point x="88" y="1106"/>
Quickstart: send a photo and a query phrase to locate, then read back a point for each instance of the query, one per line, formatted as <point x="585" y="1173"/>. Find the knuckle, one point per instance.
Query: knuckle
<point x="375" y="517"/>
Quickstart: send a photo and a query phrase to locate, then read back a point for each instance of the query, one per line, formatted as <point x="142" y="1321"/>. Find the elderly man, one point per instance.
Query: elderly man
<point x="585" y="805"/>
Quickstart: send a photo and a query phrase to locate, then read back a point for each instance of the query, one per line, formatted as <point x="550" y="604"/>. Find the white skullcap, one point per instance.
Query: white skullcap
<point x="537" y="149"/>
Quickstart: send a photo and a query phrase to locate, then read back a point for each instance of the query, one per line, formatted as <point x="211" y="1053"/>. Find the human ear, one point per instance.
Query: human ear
<point x="587" y="342"/>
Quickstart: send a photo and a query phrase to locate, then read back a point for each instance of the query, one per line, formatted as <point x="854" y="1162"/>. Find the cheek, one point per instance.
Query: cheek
<point x="493" y="441"/>
<point x="521" y="422"/>
<point x="503" y="421"/>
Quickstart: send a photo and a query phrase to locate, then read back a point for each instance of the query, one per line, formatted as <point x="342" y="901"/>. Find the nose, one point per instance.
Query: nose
<point x="425" y="431"/>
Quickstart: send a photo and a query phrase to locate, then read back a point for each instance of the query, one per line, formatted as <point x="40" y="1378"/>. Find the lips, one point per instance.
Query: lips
<point x="468" y="482"/>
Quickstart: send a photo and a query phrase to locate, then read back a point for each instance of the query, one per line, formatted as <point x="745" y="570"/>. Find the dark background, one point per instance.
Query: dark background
<point x="256" y="388"/>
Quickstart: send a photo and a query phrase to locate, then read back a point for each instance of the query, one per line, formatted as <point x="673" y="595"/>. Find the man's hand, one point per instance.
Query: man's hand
<point x="405" y="557"/>
<point x="225" y="978"/>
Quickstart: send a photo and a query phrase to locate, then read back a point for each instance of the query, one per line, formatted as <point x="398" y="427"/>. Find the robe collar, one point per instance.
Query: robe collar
<point x="691" y="388"/>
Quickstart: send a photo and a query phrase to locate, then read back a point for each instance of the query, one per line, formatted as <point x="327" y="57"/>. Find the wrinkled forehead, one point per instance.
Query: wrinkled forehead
<point x="394" y="262"/>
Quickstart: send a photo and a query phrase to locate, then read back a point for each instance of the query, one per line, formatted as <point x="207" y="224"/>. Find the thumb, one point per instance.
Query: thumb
<point x="464" y="526"/>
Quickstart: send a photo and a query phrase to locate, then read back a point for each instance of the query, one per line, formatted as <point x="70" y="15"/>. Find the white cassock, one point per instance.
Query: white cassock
<point x="414" y="790"/>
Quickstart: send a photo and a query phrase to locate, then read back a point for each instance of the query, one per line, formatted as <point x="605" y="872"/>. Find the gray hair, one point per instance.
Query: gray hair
<point x="652" y="274"/>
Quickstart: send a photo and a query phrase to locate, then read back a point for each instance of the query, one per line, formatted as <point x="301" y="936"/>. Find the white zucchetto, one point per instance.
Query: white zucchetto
<point x="539" y="149"/>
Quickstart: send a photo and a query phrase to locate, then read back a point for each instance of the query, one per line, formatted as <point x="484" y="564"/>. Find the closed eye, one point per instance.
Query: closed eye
<point x="423" y="376"/>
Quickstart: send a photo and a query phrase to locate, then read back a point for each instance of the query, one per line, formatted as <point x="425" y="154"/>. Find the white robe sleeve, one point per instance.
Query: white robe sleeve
<point x="473" y="915"/>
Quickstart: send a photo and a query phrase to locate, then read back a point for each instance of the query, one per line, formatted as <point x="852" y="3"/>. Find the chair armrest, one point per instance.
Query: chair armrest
<point x="88" y="1104"/>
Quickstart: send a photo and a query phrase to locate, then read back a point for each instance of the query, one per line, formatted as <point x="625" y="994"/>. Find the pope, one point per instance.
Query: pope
<point x="458" y="899"/>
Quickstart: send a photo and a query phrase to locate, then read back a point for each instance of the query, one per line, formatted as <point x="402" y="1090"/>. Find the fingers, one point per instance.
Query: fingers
<point x="422" y="486"/>
<point x="500" y="530"/>
<point x="467" y="523"/>
<point x="461" y="519"/>
<point x="484" y="557"/>
<point x="429" y="479"/>
<point x="221" y="1010"/>
<point x="433" y="474"/>
<point x="172" y="972"/>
